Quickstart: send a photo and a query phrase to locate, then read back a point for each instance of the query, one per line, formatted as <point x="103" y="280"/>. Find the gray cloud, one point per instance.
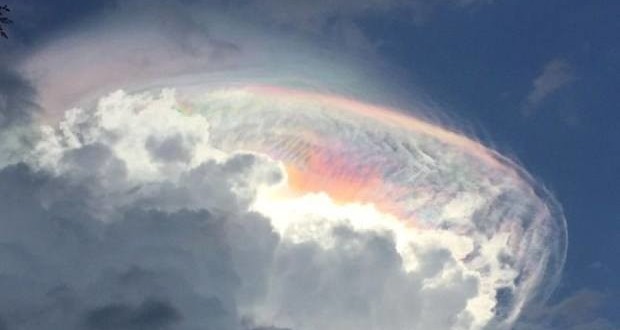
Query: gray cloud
<point x="17" y="95"/>
<point x="168" y="149"/>
<point x="89" y="242"/>
<point x="79" y="250"/>
<point x="150" y="314"/>
<point x="17" y="108"/>
<point x="61" y="268"/>
<point x="555" y="75"/>
<point x="360" y="284"/>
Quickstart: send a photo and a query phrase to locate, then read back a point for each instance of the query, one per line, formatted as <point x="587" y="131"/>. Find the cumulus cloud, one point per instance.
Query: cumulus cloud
<point x="555" y="75"/>
<point x="360" y="283"/>
<point x="476" y="232"/>
<point x="63" y="269"/>
<point x="130" y="215"/>
<point x="87" y="243"/>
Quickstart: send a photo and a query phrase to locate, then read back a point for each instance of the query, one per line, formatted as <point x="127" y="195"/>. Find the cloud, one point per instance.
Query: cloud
<point x="579" y="311"/>
<point x="18" y="107"/>
<point x="556" y="74"/>
<point x="360" y="286"/>
<point x="132" y="189"/>
<point x="61" y="268"/>
<point x="17" y="95"/>
<point x="86" y="241"/>
<point x="433" y="256"/>
<point x="150" y="314"/>
<point x="136" y="41"/>
<point x="128" y="215"/>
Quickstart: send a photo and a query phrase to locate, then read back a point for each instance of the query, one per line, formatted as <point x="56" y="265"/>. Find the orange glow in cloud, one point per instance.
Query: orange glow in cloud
<point x="333" y="174"/>
<point x="339" y="176"/>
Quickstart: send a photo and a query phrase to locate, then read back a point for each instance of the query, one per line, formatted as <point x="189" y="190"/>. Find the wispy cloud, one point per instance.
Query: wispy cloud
<point x="555" y="75"/>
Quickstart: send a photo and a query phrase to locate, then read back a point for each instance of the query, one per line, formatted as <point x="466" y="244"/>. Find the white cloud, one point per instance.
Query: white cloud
<point x="170" y="229"/>
<point x="102" y="232"/>
<point x="555" y="75"/>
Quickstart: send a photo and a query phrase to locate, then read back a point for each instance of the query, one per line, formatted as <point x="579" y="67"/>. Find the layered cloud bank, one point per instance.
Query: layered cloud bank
<point x="261" y="207"/>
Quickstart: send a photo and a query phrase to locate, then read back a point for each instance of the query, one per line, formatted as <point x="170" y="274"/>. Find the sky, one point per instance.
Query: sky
<point x="532" y="80"/>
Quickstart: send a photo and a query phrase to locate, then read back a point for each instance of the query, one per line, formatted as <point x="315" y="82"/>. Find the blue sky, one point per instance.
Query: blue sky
<point x="486" y="61"/>
<point x="537" y="78"/>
